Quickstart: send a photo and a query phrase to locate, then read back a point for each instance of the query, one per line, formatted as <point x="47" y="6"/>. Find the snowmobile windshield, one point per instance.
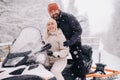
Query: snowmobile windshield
<point x="29" y="39"/>
<point x="28" y="42"/>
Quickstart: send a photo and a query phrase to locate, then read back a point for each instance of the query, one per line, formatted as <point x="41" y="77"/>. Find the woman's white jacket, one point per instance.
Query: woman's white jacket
<point x="60" y="52"/>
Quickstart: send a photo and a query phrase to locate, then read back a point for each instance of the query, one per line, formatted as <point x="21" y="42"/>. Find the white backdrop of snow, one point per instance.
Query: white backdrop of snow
<point x="17" y="14"/>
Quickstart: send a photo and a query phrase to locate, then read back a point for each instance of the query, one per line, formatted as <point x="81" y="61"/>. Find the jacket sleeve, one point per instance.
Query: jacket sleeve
<point x="76" y="28"/>
<point x="63" y="51"/>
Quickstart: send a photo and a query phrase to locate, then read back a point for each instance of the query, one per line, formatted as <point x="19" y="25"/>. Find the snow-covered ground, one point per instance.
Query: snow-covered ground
<point x="110" y="60"/>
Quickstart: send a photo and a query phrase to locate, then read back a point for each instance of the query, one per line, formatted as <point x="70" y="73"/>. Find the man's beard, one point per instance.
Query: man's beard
<point x="55" y="16"/>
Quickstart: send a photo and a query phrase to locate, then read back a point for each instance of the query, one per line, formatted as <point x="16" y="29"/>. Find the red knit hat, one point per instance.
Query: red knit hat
<point x="52" y="6"/>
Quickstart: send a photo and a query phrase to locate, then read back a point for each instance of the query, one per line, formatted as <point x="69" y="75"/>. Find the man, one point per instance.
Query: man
<point x="72" y="31"/>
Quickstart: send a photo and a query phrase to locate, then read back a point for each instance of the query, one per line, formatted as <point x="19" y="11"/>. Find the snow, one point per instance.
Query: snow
<point x="102" y="16"/>
<point x="110" y="60"/>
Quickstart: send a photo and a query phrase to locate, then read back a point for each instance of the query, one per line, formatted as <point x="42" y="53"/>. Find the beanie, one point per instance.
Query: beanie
<point x="52" y="6"/>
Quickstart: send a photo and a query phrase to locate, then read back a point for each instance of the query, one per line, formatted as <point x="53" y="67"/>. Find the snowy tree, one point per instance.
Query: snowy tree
<point x="71" y="7"/>
<point x="17" y="14"/>
<point x="111" y="39"/>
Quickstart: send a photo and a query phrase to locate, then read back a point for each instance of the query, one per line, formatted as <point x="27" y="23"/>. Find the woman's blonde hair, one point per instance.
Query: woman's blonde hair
<point x="46" y="35"/>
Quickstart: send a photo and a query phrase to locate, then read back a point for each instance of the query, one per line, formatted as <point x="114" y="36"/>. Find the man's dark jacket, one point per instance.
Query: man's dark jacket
<point x="70" y="27"/>
<point x="72" y="31"/>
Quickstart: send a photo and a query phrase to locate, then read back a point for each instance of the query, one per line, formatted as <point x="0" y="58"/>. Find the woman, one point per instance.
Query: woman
<point x="58" y="59"/>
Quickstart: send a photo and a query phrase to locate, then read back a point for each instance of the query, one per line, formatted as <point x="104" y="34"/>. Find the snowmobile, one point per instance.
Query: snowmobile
<point x="26" y="58"/>
<point x="23" y="63"/>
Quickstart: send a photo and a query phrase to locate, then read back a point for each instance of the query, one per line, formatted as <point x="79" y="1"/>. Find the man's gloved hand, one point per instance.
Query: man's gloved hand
<point x="49" y="53"/>
<point x="66" y="43"/>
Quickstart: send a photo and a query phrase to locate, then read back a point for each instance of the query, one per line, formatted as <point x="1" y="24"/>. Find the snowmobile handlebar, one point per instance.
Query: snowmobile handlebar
<point x="44" y="48"/>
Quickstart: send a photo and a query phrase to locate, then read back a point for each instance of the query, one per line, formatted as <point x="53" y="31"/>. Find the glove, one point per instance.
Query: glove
<point x="43" y="42"/>
<point x="49" y="53"/>
<point x="66" y="43"/>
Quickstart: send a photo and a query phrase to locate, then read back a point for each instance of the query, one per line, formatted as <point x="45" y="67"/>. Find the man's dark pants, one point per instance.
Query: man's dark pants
<point x="78" y="67"/>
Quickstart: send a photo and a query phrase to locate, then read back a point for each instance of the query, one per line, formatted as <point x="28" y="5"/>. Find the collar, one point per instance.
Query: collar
<point x="52" y="33"/>
<point x="60" y="15"/>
